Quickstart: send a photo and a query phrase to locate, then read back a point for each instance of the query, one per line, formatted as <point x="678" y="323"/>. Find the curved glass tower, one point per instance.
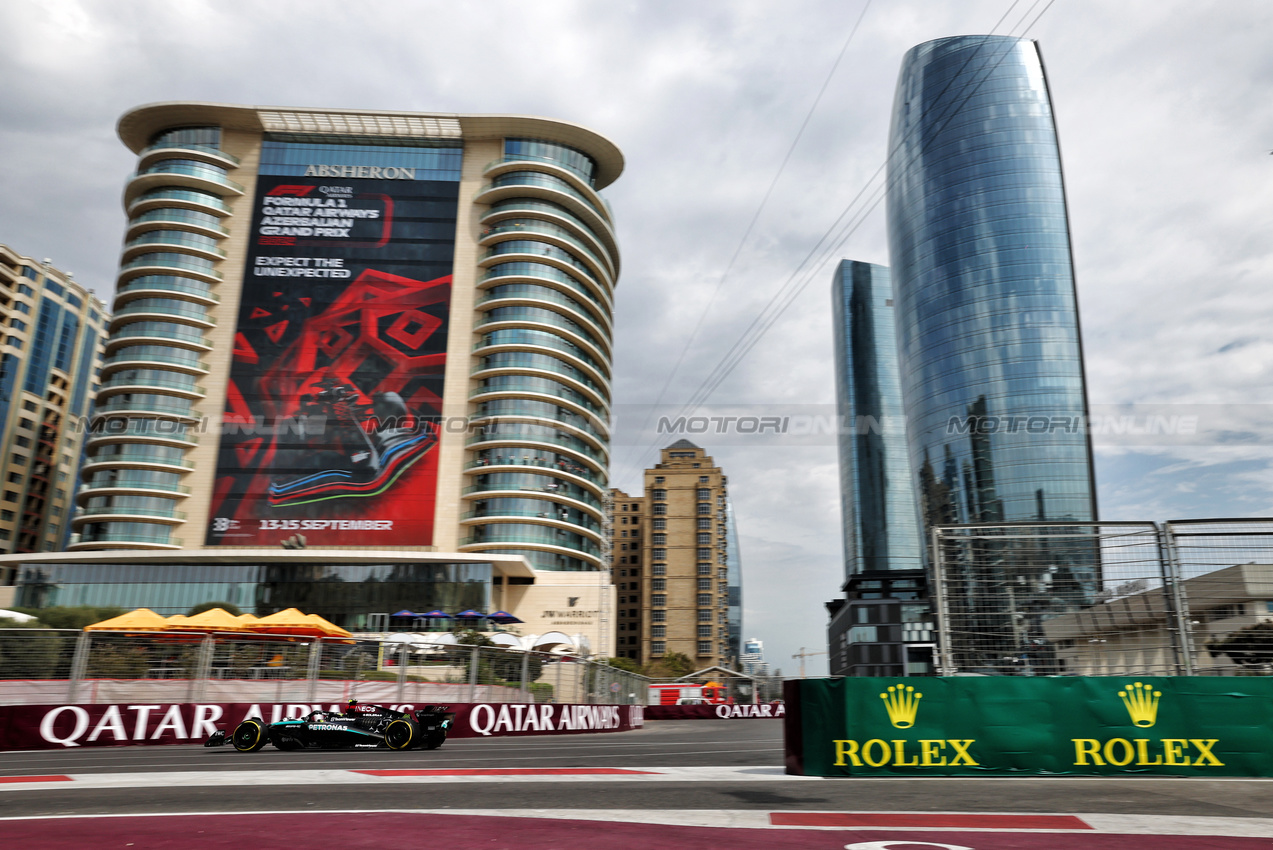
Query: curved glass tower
<point x="877" y="500"/>
<point x="545" y="305"/>
<point x="987" y="318"/>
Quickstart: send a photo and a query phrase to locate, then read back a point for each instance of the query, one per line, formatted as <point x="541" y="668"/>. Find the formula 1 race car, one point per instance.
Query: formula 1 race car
<point x="361" y="727"/>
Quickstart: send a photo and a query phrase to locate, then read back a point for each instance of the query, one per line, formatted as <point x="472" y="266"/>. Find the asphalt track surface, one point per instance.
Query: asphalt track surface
<point x="674" y="784"/>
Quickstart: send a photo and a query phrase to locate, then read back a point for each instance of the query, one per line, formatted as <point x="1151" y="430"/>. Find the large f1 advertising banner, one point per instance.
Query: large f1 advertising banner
<point x="330" y="425"/>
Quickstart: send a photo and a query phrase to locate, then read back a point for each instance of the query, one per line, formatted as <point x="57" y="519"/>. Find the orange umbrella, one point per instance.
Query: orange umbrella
<point x="212" y="620"/>
<point x="330" y="629"/>
<point x="293" y="622"/>
<point x="141" y="620"/>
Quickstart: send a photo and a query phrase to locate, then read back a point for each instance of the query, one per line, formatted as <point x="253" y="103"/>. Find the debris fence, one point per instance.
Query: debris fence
<point x="47" y="666"/>
<point x="1188" y="597"/>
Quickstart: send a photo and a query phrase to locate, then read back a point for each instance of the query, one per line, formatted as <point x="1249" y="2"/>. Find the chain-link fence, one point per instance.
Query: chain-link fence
<point x="42" y="666"/>
<point x="1192" y="597"/>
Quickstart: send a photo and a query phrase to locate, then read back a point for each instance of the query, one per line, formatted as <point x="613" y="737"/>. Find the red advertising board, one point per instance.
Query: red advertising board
<point x="43" y="727"/>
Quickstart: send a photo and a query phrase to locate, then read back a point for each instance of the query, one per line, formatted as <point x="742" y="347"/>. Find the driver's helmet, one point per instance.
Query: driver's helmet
<point x="318" y="717"/>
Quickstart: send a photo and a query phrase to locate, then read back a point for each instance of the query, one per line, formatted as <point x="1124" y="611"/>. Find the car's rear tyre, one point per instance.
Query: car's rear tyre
<point x="400" y="734"/>
<point x="249" y="736"/>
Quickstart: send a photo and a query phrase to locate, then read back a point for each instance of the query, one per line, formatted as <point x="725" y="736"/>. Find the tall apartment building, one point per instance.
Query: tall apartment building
<point x="49" y="359"/>
<point x="678" y="563"/>
<point x="385" y="333"/>
<point x="628" y="525"/>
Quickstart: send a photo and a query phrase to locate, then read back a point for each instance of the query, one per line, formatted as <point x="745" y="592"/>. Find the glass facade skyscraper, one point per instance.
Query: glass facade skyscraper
<point x="987" y="318"/>
<point x="876" y="494"/>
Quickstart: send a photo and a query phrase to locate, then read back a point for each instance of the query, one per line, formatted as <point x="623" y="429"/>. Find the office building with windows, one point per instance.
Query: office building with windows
<point x="871" y="630"/>
<point x="51" y="352"/>
<point x="989" y="346"/>
<point x="361" y="331"/>
<point x="987" y="315"/>
<point x="675" y="564"/>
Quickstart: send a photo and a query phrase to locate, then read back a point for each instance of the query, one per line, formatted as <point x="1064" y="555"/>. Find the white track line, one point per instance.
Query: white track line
<point x="1101" y="823"/>
<point x="208" y="778"/>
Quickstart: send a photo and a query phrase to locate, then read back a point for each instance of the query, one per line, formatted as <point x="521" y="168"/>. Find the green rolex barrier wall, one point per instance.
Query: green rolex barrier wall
<point x="1015" y="726"/>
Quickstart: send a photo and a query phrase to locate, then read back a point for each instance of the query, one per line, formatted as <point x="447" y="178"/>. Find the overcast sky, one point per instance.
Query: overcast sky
<point x="1165" y="120"/>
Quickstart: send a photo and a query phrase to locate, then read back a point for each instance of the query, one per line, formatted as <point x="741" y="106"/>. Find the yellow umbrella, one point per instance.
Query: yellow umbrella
<point x="141" y="620"/>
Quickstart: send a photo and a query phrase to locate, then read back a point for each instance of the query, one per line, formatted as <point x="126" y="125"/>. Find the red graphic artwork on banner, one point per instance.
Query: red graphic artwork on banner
<point x="351" y="402"/>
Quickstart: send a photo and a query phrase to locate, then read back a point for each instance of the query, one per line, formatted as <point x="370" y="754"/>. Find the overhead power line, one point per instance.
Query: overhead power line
<point x="846" y="224"/>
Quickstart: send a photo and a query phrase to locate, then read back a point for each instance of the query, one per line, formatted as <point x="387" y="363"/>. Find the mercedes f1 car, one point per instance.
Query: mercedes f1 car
<point x="361" y="727"/>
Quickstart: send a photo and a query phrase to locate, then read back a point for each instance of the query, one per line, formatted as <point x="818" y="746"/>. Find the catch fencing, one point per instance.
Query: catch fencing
<point x="1188" y="597"/>
<point x="48" y="666"/>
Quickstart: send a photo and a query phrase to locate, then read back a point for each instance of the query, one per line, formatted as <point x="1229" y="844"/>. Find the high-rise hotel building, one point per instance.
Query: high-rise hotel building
<point x="50" y="351"/>
<point x="376" y="332"/>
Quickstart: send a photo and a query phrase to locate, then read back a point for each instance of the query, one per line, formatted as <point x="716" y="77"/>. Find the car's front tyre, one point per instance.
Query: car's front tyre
<point x="400" y="734"/>
<point x="249" y="736"/>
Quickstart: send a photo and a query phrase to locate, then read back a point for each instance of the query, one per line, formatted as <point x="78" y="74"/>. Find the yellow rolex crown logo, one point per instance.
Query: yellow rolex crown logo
<point x="1142" y="704"/>
<point x="902" y="703"/>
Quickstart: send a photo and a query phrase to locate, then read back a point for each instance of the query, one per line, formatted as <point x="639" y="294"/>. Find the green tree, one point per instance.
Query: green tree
<point x="626" y="664"/>
<point x="1251" y="646"/>
<point x="674" y="665"/>
<point x="71" y="618"/>
<point x="500" y="665"/>
<point x="208" y="606"/>
<point x="472" y="637"/>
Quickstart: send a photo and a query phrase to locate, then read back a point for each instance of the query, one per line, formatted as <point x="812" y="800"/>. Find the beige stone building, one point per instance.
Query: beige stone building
<point x="50" y="350"/>
<point x="357" y="331"/>
<point x="673" y="564"/>
<point x="1139" y="633"/>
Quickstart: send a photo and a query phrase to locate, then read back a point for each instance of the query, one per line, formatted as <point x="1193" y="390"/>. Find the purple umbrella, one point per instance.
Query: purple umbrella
<point x="438" y="613"/>
<point x="503" y="617"/>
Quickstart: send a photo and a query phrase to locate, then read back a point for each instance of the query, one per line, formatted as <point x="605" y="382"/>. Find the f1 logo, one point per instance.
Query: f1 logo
<point x="297" y="191"/>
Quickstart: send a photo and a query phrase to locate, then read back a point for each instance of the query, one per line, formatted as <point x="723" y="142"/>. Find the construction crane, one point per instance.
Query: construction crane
<point x="802" y="655"/>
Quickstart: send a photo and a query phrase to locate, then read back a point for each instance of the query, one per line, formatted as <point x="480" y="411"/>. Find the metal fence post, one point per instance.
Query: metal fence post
<point x="79" y="664"/>
<point x="1174" y="600"/>
<point x="526" y="676"/>
<point x="945" y="652"/>
<point x="475" y="656"/>
<point x="315" y="669"/>
<point x="404" y="655"/>
<point x="203" y="670"/>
